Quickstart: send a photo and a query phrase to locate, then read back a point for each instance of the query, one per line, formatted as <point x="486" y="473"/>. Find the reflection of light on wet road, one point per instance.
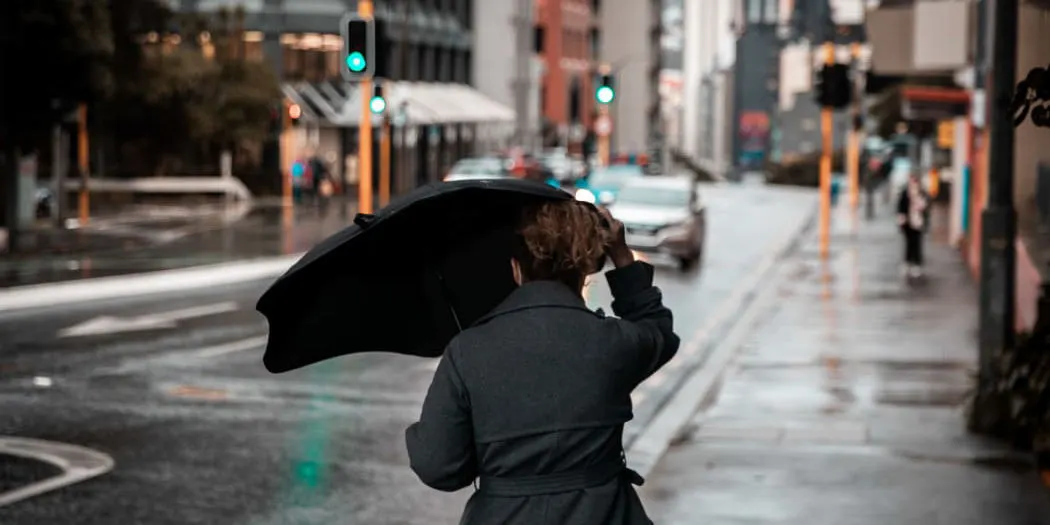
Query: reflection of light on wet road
<point x="307" y="487"/>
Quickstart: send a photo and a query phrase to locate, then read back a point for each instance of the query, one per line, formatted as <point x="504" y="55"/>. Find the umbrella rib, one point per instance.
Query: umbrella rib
<point x="448" y="301"/>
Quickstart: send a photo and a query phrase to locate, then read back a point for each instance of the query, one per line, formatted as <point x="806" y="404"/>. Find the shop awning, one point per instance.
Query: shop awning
<point x="339" y="104"/>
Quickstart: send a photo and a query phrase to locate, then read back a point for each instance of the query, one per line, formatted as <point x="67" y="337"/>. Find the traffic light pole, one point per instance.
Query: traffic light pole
<point x="364" y="135"/>
<point x="384" y="161"/>
<point x="826" y="125"/>
<point x="853" y="151"/>
<point x="84" y="166"/>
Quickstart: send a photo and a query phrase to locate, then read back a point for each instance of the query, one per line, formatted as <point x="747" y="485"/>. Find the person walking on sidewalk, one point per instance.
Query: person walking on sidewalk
<point x="531" y="400"/>
<point x="913" y="217"/>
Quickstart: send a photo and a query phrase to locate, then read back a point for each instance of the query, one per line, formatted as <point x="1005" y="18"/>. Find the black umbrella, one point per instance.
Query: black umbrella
<point x="404" y="280"/>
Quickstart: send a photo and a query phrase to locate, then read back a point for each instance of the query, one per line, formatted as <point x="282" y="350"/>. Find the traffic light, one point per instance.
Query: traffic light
<point x="359" y="39"/>
<point x="834" y="88"/>
<point x="295" y="113"/>
<point x="606" y="92"/>
<point x="378" y="103"/>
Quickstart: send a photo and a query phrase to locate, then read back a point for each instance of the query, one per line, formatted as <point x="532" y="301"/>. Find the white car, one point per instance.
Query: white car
<point x="663" y="215"/>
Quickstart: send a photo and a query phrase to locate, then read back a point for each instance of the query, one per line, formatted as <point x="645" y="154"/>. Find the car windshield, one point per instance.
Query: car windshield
<point x="654" y="196"/>
<point x="478" y="167"/>
<point x="615" y="176"/>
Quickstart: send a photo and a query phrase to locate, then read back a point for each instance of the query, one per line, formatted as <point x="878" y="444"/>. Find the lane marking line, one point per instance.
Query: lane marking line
<point x="77" y="463"/>
<point x="180" y="356"/>
<point x="142" y="284"/>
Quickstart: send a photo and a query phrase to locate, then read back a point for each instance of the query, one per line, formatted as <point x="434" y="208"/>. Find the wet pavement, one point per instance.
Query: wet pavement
<point x="845" y="403"/>
<point x="201" y="434"/>
<point x="161" y="238"/>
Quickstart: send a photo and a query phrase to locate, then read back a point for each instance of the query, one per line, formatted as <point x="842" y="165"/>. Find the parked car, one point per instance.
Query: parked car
<point x="663" y="215"/>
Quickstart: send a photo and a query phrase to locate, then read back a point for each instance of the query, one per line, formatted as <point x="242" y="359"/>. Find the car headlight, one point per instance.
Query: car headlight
<point x="606" y="197"/>
<point x="585" y="195"/>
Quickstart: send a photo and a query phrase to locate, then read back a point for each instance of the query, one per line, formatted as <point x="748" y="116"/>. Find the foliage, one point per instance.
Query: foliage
<point x="50" y="51"/>
<point x="173" y="101"/>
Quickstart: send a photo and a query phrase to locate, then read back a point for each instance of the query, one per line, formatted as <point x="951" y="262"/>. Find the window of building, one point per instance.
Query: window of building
<point x="754" y="11"/>
<point x="594" y="43"/>
<point x="311" y="57"/>
<point x="771" y="11"/>
<point x="538" y="34"/>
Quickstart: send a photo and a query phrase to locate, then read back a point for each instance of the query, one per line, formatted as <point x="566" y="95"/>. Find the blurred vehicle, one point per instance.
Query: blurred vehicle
<point x="603" y="183"/>
<point x="663" y="215"/>
<point x="476" y="168"/>
<point x="561" y="166"/>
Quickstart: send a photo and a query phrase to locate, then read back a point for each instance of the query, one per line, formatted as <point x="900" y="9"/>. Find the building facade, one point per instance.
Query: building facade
<point x="757" y="81"/>
<point x="707" y="53"/>
<point x="630" y="44"/>
<point x="565" y="38"/>
<point x="424" y="59"/>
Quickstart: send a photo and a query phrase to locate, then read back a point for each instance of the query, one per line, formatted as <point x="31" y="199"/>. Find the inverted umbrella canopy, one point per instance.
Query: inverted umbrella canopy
<point x="405" y="280"/>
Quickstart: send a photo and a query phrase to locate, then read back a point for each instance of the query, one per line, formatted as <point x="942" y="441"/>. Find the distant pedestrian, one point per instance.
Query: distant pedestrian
<point x="913" y="218"/>
<point x="531" y="399"/>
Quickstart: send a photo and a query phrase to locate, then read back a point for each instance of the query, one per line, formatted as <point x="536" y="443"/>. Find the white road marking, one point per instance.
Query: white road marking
<point x="77" y="463"/>
<point x="165" y="281"/>
<point x="112" y="325"/>
<point x="179" y="357"/>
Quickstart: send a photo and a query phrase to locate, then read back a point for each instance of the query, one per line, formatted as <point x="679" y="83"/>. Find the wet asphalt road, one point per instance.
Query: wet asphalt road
<point x="201" y="434"/>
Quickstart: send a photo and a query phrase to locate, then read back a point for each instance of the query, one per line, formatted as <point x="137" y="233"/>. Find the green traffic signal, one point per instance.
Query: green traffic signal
<point x="377" y="105"/>
<point x="604" y="95"/>
<point x="356" y="62"/>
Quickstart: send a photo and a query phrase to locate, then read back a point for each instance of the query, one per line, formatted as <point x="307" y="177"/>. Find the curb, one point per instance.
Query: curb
<point x="718" y="346"/>
<point x="134" y="285"/>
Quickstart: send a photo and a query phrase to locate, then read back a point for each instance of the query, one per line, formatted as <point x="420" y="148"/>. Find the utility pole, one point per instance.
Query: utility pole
<point x="364" y="134"/>
<point x="826" y="130"/>
<point x="83" y="163"/>
<point x="522" y="77"/>
<point x="998" y="220"/>
<point x="854" y="137"/>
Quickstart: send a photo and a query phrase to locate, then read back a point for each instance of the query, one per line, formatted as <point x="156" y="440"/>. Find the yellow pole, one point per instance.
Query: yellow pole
<point x="286" y="159"/>
<point x="384" y="163"/>
<point x="84" y="165"/>
<point x="603" y="139"/>
<point x="825" y="163"/>
<point x="935" y="182"/>
<point x="853" y="151"/>
<point x="364" y="136"/>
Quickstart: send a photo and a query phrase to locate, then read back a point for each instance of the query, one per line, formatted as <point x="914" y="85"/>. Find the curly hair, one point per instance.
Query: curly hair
<point x="560" y="241"/>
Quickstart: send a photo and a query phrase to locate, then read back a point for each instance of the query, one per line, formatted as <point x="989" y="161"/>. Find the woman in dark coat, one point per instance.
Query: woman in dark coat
<point x="531" y="400"/>
<point x="913" y="217"/>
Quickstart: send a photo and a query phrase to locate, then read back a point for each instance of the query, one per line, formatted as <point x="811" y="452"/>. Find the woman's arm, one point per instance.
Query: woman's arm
<point x="441" y="445"/>
<point x="646" y="323"/>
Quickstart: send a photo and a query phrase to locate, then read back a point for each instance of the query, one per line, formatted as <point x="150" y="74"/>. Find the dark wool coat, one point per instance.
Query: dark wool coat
<point x="531" y="403"/>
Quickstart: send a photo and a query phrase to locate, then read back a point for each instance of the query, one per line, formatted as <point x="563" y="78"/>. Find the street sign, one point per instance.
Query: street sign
<point x="603" y="126"/>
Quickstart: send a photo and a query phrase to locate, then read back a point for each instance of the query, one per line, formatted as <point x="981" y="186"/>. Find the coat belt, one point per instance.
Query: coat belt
<point x="545" y="484"/>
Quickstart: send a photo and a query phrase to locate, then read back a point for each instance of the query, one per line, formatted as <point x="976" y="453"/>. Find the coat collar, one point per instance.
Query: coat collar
<point x="537" y="294"/>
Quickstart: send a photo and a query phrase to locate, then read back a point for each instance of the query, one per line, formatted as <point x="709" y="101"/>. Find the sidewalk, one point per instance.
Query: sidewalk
<point x="118" y="247"/>
<point x="844" y="404"/>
